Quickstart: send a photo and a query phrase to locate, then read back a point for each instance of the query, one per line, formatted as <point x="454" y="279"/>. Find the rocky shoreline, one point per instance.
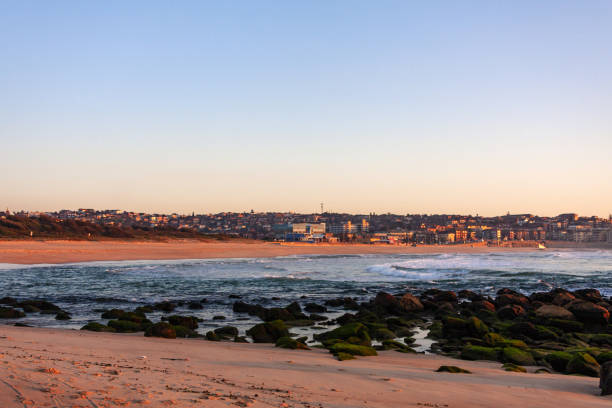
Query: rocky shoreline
<point x="556" y="331"/>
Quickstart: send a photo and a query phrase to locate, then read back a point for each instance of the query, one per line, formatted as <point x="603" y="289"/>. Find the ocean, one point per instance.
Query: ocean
<point x="84" y="289"/>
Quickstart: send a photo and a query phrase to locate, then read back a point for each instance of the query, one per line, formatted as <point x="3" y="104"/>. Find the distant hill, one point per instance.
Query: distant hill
<point x="46" y="227"/>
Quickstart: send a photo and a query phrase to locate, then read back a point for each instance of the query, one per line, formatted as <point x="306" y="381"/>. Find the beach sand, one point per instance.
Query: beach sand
<point x="67" y="368"/>
<point x="36" y="252"/>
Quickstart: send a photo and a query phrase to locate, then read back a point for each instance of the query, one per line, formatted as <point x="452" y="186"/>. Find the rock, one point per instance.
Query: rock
<point x="113" y="314"/>
<point x="218" y="317"/>
<point x="317" y="318"/>
<point x="314" y="308"/>
<point x="591" y="295"/>
<point x="62" y="316"/>
<point x="437" y="295"/>
<point x="185" y="332"/>
<point x="470" y="352"/>
<point x="515" y="368"/>
<point x="7" y="300"/>
<point x="10" y="313"/>
<point x="512" y="299"/>
<point x="294" y="308"/>
<point x="452" y="369"/>
<point x="344" y="356"/>
<point x="226" y="331"/>
<point x="604" y="357"/>
<point x="234" y="296"/>
<point x="30" y="309"/>
<point x="544" y="297"/>
<point x="566" y="325"/>
<point x="289" y="343"/>
<point x="268" y="332"/>
<point x="97" y="327"/>
<point x="134" y="317"/>
<point x="583" y="363"/>
<point x="602" y="339"/>
<point x="125" y="326"/>
<point x="212" y="336"/>
<point x="554" y="312"/>
<point x="542" y="371"/>
<point x="352" y="349"/>
<point x="347" y="303"/>
<point x="355" y="333"/>
<point x="161" y="329"/>
<point x="509" y="312"/>
<point x="481" y="305"/>
<point x="588" y="312"/>
<point x="195" y="306"/>
<point x="191" y="322"/>
<point x="43" y="305"/>
<point x="469" y="295"/>
<point x="562" y="298"/>
<point x="517" y="356"/>
<point x="532" y="331"/>
<point x="390" y="344"/>
<point x="383" y="334"/>
<point x="142" y="310"/>
<point x="165" y="306"/>
<point x="605" y="379"/>
<point x="240" y="339"/>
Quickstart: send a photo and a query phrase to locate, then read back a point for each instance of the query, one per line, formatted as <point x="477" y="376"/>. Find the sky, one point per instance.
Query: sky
<point x="471" y="107"/>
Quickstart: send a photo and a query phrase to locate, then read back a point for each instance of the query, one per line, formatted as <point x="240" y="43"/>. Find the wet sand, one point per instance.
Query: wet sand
<point x="66" y="368"/>
<point x="51" y="252"/>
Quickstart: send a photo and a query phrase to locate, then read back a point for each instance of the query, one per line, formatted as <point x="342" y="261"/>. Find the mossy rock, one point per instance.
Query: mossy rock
<point x="514" y="368"/>
<point x="134" y="317"/>
<point x="435" y="330"/>
<point x="191" y="322"/>
<point x="584" y="364"/>
<point x="143" y="309"/>
<point x="453" y="370"/>
<point x="10" y="313"/>
<point x="476" y="327"/>
<point x="494" y="339"/>
<point x="470" y="352"/>
<point x="185" y="332"/>
<point x="113" y="314"/>
<point x="517" y="356"/>
<point x="289" y="343"/>
<point x="569" y="326"/>
<point x="454" y="327"/>
<point x="602" y="339"/>
<point x="226" y="332"/>
<point x="97" y="327"/>
<point x="268" y="332"/>
<point x="344" y="356"/>
<point x="62" y="316"/>
<point x="604" y="357"/>
<point x="354" y="349"/>
<point x="299" y="323"/>
<point x="212" y="336"/>
<point x="396" y="345"/>
<point x="125" y="326"/>
<point x="542" y="371"/>
<point x="355" y="333"/>
<point x="384" y="334"/>
<point x="161" y="329"/>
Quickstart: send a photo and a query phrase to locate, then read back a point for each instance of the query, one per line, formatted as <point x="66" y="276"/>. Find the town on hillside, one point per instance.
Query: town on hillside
<point x="371" y="228"/>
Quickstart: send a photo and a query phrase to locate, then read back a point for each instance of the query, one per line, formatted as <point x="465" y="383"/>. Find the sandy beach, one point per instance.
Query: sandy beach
<point x="64" y="368"/>
<point x="36" y="252"/>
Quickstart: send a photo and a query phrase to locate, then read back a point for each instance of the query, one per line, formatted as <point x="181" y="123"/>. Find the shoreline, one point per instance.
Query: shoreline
<point x="58" y="252"/>
<point x="58" y="367"/>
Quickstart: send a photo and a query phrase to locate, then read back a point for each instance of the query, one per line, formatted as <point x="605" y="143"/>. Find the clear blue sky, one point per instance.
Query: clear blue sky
<point x="421" y="107"/>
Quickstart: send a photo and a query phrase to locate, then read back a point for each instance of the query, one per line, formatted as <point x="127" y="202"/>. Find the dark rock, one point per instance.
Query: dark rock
<point x="590" y="295"/>
<point x="289" y="343"/>
<point x="294" y="308"/>
<point x="113" y="314"/>
<point x="514" y="368"/>
<point x="510" y="312"/>
<point x="161" y="329"/>
<point x="588" y="312"/>
<point x="317" y="318"/>
<point x="226" y="331"/>
<point x="62" y="316"/>
<point x="469" y="295"/>
<point x="218" y="317"/>
<point x="233" y="296"/>
<point x="268" y="332"/>
<point x="125" y="326"/>
<point x="605" y="378"/>
<point x="347" y="303"/>
<point x="563" y="297"/>
<point x="452" y="369"/>
<point x="240" y="339"/>
<point x="511" y="299"/>
<point x="185" y="332"/>
<point x="43" y="305"/>
<point x="314" y="308"/>
<point x="97" y="327"/>
<point x="481" y="305"/>
<point x="583" y="363"/>
<point x="165" y="306"/>
<point x="470" y="352"/>
<point x="30" y="309"/>
<point x="355" y="333"/>
<point x="554" y="312"/>
<point x="10" y="313"/>
<point x="532" y="331"/>
<point x="195" y="306"/>
<point x="191" y="322"/>
<point x="544" y="297"/>
<point x="7" y="300"/>
<point x="352" y="349"/>
<point x="212" y="336"/>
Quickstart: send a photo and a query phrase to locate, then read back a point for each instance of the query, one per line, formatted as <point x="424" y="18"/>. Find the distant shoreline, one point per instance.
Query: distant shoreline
<point x="55" y="252"/>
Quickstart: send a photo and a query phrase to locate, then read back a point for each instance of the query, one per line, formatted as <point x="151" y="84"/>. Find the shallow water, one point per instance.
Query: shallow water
<point x="85" y="288"/>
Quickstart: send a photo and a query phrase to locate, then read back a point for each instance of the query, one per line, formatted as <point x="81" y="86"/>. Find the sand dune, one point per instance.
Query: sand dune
<point x="63" y="368"/>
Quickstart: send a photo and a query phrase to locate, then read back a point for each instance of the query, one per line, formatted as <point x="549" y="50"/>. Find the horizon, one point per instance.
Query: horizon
<point x="447" y="108"/>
